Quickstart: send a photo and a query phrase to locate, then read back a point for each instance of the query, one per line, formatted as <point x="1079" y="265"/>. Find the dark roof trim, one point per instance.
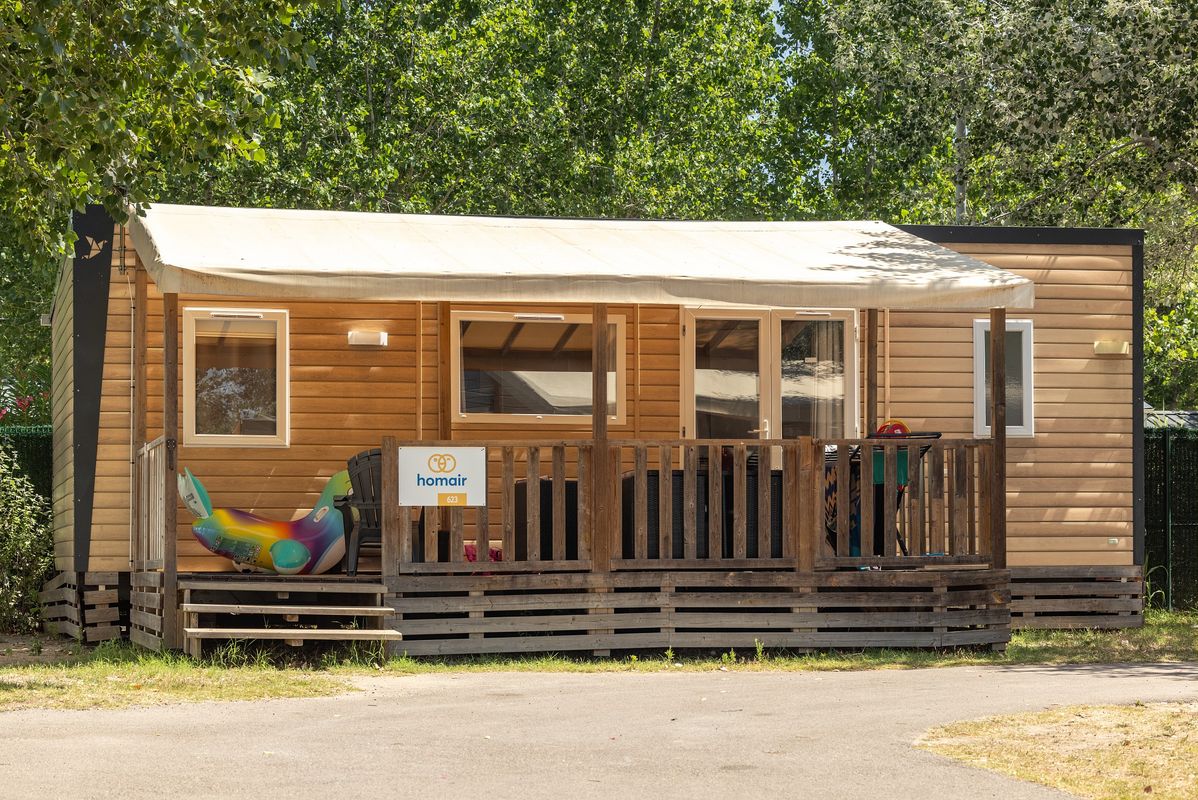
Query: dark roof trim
<point x="984" y="234"/>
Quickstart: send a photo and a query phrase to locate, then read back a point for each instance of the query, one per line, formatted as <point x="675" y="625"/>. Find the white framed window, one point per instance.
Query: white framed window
<point x="236" y="377"/>
<point x="1021" y="388"/>
<point x="769" y="373"/>
<point x="514" y="366"/>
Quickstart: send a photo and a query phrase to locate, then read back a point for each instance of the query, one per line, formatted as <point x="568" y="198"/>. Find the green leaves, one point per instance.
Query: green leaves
<point x="26" y="547"/>
<point x="96" y="99"/>
<point x="984" y="111"/>
<point x="637" y="109"/>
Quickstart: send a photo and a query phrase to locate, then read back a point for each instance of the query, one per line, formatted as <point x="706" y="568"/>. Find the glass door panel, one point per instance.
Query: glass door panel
<point x="814" y="390"/>
<point x="727" y="378"/>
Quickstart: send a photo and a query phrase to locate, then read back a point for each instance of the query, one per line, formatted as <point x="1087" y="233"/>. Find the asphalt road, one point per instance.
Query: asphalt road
<point x="513" y="735"/>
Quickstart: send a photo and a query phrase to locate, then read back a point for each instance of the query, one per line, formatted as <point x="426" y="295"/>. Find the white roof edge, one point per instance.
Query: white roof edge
<point x="338" y="255"/>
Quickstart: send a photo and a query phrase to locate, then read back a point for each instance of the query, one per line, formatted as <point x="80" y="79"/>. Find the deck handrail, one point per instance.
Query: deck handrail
<point x="929" y="504"/>
<point x="149" y="546"/>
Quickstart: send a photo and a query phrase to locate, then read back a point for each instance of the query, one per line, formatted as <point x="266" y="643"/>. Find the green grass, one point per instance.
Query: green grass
<point x="1166" y="636"/>
<point x="116" y="675"/>
<point x="119" y="675"/>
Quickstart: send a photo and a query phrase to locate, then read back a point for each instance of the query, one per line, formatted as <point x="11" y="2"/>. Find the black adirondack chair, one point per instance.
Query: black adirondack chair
<point x="366" y="480"/>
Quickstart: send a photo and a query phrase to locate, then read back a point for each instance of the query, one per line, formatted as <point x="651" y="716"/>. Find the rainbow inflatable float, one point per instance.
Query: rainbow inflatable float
<point x="308" y="546"/>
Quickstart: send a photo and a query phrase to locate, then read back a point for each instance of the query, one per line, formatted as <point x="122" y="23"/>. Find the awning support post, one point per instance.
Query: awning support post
<point x="871" y="372"/>
<point x="998" y="432"/>
<point x="601" y="532"/>
<point x="170" y="430"/>
<point x="392" y="547"/>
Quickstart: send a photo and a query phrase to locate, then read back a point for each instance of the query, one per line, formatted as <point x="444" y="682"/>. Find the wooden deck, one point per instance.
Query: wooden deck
<point x="630" y="545"/>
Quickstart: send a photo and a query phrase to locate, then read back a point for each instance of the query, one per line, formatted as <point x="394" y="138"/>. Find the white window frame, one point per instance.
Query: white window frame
<point x="980" y="328"/>
<point x="282" y="436"/>
<point x="769" y="321"/>
<point x="533" y="316"/>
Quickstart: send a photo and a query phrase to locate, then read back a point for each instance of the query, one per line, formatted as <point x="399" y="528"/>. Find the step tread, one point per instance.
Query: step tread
<point x="243" y="608"/>
<point x="281" y="585"/>
<point x="292" y="633"/>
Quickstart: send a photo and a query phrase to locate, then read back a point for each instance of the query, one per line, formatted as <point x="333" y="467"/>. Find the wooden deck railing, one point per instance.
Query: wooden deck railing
<point x="922" y="500"/>
<point x="700" y="504"/>
<point x="149" y="534"/>
<point x="537" y="517"/>
<point x="726" y="503"/>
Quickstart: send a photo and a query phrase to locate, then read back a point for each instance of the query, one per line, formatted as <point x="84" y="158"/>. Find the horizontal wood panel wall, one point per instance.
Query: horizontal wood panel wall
<point x="344" y="400"/>
<point x="62" y="411"/>
<point x="1069" y="487"/>
<point x="111" y="509"/>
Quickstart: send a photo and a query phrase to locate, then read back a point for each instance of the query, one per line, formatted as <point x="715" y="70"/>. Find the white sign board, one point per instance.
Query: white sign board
<point x="442" y="476"/>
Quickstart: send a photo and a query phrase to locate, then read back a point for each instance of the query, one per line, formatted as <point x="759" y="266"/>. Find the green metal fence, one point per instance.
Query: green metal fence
<point x="1171" y="516"/>
<point x="34" y="448"/>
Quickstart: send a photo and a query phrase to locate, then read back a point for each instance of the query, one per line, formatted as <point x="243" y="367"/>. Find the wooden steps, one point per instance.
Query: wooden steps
<point x="294" y="634"/>
<point x="289" y="611"/>
<point x="293" y="609"/>
<point x="291" y="584"/>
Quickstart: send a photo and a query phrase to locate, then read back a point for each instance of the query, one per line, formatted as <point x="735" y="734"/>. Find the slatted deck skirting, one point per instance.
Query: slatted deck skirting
<point x="1077" y="597"/>
<point x="83" y="605"/>
<point x="450" y="615"/>
<point x="146" y="610"/>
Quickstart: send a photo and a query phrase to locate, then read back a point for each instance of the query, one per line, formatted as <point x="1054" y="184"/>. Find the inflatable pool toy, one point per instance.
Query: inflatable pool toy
<point x="308" y="546"/>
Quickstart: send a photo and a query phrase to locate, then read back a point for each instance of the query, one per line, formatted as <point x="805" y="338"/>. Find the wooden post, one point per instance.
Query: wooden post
<point x="171" y="635"/>
<point x="601" y="531"/>
<point x="998" y="432"/>
<point x="390" y="510"/>
<point x="444" y="392"/>
<point x="871" y="372"/>
<point x="137" y="555"/>
<point x="810" y="511"/>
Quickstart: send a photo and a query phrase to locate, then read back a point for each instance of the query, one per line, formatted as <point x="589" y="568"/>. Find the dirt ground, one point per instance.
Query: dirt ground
<point x="19" y="651"/>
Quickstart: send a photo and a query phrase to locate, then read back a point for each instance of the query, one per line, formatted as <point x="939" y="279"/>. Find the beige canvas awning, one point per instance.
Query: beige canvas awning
<point x="328" y="255"/>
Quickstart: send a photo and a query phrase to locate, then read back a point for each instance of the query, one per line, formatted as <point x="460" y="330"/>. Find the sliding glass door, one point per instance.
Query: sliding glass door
<point x="769" y="374"/>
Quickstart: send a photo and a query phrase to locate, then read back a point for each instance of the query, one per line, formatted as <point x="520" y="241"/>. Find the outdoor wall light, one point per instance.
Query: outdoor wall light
<point x="367" y="338"/>
<point x="1112" y="347"/>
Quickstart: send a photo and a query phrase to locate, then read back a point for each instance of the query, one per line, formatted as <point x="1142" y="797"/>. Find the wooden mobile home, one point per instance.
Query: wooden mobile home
<point x="674" y="418"/>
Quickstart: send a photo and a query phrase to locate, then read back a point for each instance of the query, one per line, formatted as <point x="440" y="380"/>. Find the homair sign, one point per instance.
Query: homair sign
<point x="442" y="476"/>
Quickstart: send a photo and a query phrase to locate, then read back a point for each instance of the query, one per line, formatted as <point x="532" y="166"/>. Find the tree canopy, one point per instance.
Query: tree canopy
<point x="968" y="111"/>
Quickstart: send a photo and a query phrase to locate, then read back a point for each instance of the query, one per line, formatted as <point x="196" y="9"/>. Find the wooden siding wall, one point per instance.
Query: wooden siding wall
<point x="344" y="400"/>
<point x="111" y="511"/>
<point x="62" y="410"/>
<point x="1070" y="487"/>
